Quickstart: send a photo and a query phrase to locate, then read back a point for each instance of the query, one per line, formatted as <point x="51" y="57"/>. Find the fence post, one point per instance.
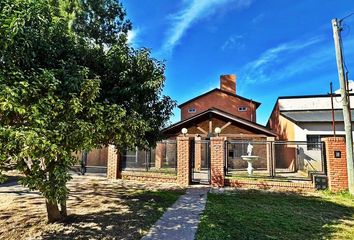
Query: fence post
<point x="183" y="166"/>
<point x="217" y="154"/>
<point x="198" y="153"/>
<point x="336" y="163"/>
<point x="271" y="156"/>
<point x="113" y="170"/>
<point x="158" y="154"/>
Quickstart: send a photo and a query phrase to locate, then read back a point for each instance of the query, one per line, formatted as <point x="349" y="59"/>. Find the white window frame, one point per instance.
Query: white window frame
<point x="242" y="109"/>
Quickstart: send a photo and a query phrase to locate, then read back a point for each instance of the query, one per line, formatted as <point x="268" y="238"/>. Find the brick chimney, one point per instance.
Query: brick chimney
<point x="228" y="83"/>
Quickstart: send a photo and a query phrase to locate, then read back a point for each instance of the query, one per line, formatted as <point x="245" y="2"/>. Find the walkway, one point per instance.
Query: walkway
<point x="181" y="221"/>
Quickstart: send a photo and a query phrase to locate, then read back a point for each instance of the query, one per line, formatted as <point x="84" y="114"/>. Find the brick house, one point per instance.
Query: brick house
<point x="203" y="155"/>
<point x="223" y="108"/>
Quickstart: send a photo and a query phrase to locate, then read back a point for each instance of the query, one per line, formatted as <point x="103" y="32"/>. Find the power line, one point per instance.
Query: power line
<point x="351" y="14"/>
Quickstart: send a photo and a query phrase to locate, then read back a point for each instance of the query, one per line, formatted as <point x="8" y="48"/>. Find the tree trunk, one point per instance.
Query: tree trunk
<point x="63" y="211"/>
<point x="53" y="212"/>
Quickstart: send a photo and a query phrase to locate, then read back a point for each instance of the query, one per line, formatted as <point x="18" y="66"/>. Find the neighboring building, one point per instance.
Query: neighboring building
<point x="306" y="119"/>
<point x="223" y="108"/>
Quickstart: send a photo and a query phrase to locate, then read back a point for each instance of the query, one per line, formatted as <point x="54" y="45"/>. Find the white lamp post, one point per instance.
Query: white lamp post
<point x="217" y="131"/>
<point x="184" y="131"/>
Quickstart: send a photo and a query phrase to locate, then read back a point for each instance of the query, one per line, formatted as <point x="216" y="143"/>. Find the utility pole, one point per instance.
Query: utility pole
<point x="332" y="106"/>
<point x="336" y="25"/>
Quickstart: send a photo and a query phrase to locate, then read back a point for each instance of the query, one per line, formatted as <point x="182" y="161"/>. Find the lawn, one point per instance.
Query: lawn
<point x="99" y="209"/>
<point x="255" y="214"/>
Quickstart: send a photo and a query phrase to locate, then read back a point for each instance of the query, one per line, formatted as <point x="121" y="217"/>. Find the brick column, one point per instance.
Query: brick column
<point x="183" y="167"/>
<point x="217" y="154"/>
<point x="270" y="155"/>
<point x="113" y="171"/>
<point x="336" y="165"/>
<point x="197" y="153"/>
<point x="159" y="154"/>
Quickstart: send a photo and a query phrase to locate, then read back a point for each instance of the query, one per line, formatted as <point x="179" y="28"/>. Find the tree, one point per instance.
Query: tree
<point x="70" y="82"/>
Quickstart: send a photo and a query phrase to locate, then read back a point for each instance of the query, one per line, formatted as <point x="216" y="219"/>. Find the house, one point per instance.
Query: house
<point x="305" y="120"/>
<point x="220" y="108"/>
<point x="222" y="112"/>
<point x="221" y="143"/>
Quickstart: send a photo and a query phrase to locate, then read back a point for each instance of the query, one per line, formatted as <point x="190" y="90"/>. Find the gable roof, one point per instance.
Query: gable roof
<point x="219" y="90"/>
<point x="226" y="115"/>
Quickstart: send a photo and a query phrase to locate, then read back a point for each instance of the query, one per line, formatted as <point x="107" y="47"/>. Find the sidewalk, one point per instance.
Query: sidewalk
<point x="181" y="221"/>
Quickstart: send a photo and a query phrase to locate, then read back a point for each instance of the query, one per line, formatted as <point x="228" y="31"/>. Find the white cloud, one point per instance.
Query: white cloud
<point x="258" y="18"/>
<point x="193" y="11"/>
<point x="278" y="62"/>
<point x="233" y="42"/>
<point x="132" y="36"/>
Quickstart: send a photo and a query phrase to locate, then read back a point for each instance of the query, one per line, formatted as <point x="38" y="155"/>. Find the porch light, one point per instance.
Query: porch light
<point x="217" y="131"/>
<point x="184" y="131"/>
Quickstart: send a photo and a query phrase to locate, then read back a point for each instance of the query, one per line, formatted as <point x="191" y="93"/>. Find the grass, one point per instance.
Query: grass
<point x="98" y="209"/>
<point x="255" y="214"/>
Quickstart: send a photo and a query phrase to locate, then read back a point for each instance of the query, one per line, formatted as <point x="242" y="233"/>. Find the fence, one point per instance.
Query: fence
<point x="94" y="161"/>
<point x="285" y="159"/>
<point x="162" y="158"/>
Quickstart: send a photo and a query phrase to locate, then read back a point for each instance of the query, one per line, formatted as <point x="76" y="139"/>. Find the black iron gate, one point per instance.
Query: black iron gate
<point x="200" y="161"/>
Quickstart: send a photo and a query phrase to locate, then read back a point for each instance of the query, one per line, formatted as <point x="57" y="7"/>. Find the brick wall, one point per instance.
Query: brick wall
<point x="183" y="167"/>
<point x="159" y="154"/>
<point x="149" y="177"/>
<point x="113" y="171"/>
<point x="223" y="101"/>
<point x="336" y="167"/>
<point x="270" y="185"/>
<point x="217" y="153"/>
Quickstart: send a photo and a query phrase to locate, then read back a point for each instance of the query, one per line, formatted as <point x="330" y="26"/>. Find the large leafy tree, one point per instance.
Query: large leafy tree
<point x="70" y="82"/>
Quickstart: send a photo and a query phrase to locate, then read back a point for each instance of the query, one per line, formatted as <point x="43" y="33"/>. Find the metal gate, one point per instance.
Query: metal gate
<point x="200" y="161"/>
<point x="296" y="160"/>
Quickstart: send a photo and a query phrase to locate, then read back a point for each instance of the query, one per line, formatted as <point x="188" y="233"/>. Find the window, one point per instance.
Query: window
<point x="242" y="109"/>
<point x="192" y="110"/>
<point x="313" y="142"/>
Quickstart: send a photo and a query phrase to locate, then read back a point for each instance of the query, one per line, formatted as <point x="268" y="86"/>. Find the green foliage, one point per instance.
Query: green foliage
<point x="69" y="81"/>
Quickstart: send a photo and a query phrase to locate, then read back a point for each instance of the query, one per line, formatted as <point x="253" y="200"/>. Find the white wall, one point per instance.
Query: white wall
<point x="311" y="103"/>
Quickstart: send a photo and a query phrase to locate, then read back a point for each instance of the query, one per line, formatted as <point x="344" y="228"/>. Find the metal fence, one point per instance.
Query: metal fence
<point x="280" y="159"/>
<point x="94" y="161"/>
<point x="162" y="158"/>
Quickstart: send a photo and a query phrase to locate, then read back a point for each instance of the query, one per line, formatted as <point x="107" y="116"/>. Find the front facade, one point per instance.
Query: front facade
<point x="223" y="98"/>
<point x="203" y="155"/>
<point x="219" y="108"/>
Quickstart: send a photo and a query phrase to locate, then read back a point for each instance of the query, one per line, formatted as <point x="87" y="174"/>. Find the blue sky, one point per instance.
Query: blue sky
<point x="275" y="47"/>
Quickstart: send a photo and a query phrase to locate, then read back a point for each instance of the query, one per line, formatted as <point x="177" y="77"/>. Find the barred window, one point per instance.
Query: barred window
<point x="313" y="142"/>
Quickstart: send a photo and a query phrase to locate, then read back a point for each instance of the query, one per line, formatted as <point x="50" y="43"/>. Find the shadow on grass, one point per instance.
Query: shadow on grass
<point x="117" y="212"/>
<point x="262" y="215"/>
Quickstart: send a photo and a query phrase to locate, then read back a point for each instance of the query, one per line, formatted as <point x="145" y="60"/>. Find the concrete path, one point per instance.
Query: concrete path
<point x="181" y="221"/>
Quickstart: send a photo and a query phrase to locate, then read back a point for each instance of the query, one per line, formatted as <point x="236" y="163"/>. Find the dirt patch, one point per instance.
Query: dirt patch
<point x="98" y="209"/>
